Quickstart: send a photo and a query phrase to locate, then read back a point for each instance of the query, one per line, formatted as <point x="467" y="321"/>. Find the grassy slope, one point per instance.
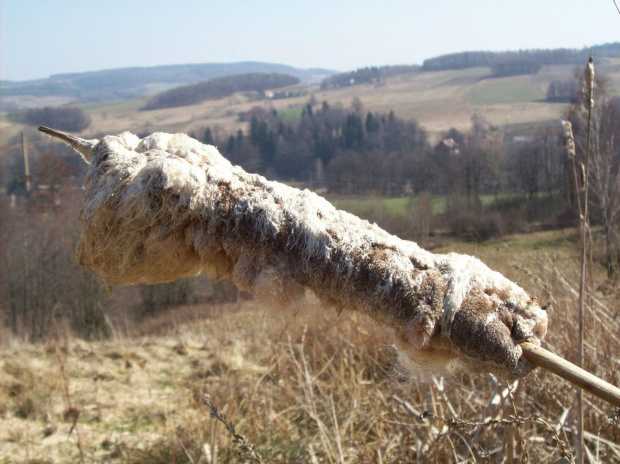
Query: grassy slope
<point x="314" y="384"/>
<point x="438" y="100"/>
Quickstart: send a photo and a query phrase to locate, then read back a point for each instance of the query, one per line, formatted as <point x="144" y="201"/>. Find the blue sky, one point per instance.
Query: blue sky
<point x="43" y="37"/>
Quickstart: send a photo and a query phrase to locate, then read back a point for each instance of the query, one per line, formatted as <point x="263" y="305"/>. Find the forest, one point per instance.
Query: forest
<point x="483" y="173"/>
<point x="218" y="88"/>
<point x="471" y="59"/>
<point x="64" y="117"/>
<point x="366" y="75"/>
<point x="502" y="64"/>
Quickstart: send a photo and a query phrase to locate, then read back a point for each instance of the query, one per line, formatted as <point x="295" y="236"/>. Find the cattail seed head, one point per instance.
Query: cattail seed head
<point x="589" y="82"/>
<point x="569" y="139"/>
<point x="166" y="206"/>
<point x="582" y="176"/>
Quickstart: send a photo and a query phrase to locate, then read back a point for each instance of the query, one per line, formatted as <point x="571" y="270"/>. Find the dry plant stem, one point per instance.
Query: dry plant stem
<point x="574" y="374"/>
<point x="246" y="449"/>
<point x="516" y="421"/>
<point x="167" y="206"/>
<point x="589" y="82"/>
<point x="74" y="411"/>
<point x="612" y="418"/>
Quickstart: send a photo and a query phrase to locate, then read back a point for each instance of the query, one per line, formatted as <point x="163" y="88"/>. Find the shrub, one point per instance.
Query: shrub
<point x="62" y="118"/>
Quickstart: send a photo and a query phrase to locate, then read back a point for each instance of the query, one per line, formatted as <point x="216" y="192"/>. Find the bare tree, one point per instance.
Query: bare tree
<point x="52" y="172"/>
<point x="605" y="179"/>
<point x="527" y="159"/>
<point x="604" y="172"/>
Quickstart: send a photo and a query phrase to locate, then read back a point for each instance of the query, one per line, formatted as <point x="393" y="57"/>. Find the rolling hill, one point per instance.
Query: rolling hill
<point x="129" y="83"/>
<point x="438" y="99"/>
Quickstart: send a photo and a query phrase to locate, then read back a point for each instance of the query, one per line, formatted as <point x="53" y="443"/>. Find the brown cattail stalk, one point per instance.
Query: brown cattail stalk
<point x="574" y="374"/>
<point x="585" y="169"/>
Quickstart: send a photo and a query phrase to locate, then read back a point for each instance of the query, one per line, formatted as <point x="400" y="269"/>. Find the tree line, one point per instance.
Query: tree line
<point x="45" y="294"/>
<point x="366" y="75"/>
<point x="218" y="88"/>
<point x="64" y="118"/>
<point x="345" y="150"/>
<point x="352" y="151"/>
<point x="563" y="91"/>
<point x="528" y="177"/>
<point x="502" y="64"/>
<point x="526" y="60"/>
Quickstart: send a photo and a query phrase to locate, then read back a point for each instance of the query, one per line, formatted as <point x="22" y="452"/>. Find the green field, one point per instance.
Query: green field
<point x="399" y="206"/>
<point x="355" y="205"/>
<point x="290" y="113"/>
<point x="114" y="106"/>
<point x="495" y="91"/>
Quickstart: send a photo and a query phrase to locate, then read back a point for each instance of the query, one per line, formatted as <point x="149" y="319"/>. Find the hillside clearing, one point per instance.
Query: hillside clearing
<point x="494" y="91"/>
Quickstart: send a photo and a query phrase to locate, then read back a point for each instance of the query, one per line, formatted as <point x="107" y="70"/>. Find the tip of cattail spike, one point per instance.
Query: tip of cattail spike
<point x="82" y="146"/>
<point x="589" y="82"/>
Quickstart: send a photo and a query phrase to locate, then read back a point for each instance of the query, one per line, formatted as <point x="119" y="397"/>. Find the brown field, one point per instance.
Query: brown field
<point x="308" y="388"/>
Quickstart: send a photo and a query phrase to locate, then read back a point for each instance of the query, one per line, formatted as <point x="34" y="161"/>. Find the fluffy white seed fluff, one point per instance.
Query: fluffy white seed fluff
<point x="167" y="206"/>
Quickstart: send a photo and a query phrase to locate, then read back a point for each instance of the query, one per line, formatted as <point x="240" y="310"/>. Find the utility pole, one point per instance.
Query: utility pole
<point x="26" y="164"/>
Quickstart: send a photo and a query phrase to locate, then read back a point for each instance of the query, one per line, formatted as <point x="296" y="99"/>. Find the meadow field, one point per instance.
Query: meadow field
<point x="310" y="387"/>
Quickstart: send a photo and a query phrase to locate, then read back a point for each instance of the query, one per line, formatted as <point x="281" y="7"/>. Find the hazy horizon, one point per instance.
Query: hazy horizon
<point x="40" y="38"/>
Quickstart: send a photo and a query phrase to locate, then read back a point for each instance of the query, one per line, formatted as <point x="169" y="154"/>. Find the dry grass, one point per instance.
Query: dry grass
<point x="315" y="387"/>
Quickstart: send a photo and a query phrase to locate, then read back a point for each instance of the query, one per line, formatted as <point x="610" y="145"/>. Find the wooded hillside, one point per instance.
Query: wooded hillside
<point x="218" y="88"/>
<point x="472" y="59"/>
